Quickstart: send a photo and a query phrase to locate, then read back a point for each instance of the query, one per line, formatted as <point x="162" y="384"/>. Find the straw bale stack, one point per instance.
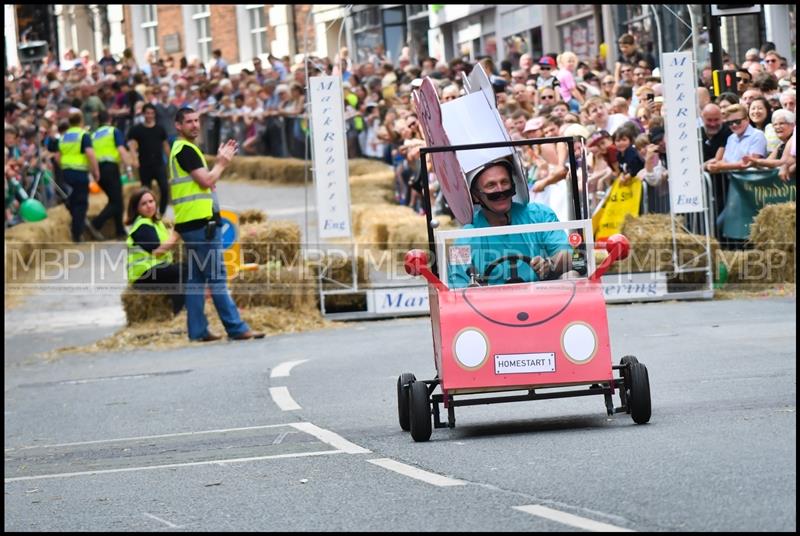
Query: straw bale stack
<point x="339" y="269"/>
<point x="374" y="188"/>
<point x="288" y="170"/>
<point x="141" y="306"/>
<point x="650" y="237"/>
<point x="774" y="231"/>
<point x="274" y="240"/>
<point x="252" y="215"/>
<point x="264" y="168"/>
<point x="364" y="166"/>
<point x="293" y="289"/>
<point x="372" y="224"/>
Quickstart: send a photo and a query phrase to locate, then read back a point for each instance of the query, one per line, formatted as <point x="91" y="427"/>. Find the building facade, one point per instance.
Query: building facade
<point x="441" y="31"/>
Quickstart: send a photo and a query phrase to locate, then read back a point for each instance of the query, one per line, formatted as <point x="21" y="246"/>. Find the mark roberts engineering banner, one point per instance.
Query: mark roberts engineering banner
<point x="680" y="122"/>
<point x="330" y="157"/>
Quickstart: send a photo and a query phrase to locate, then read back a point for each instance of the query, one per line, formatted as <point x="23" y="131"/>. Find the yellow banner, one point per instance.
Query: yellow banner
<point x="622" y="199"/>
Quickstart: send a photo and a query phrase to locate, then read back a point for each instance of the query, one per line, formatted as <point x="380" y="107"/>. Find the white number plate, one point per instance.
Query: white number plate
<point x="524" y="363"/>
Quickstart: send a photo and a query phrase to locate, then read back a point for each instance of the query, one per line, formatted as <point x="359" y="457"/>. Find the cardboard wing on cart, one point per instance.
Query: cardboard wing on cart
<point x="470" y="119"/>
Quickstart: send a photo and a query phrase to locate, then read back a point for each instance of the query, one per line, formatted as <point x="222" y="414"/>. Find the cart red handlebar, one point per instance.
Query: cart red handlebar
<point x="618" y="248"/>
<point x="416" y="263"/>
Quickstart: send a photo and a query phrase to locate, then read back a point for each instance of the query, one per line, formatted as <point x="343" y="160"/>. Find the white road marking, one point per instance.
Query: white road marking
<point x="331" y="438"/>
<point x="167" y="523"/>
<point x="569" y="519"/>
<point x="281" y="397"/>
<point x="284" y="369"/>
<point x="170" y="465"/>
<point x="179" y="434"/>
<point x="417" y="473"/>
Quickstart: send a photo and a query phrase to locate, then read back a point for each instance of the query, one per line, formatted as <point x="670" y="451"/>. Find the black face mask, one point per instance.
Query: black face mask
<point x="503" y="194"/>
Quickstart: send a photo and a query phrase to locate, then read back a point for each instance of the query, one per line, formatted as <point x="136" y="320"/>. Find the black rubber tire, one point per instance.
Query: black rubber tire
<point x="626" y="378"/>
<point x="639" y="394"/>
<point x="420" y="412"/>
<point x="402" y="400"/>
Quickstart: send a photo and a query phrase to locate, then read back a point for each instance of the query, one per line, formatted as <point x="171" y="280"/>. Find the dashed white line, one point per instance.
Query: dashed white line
<point x="331" y="438"/>
<point x="569" y="519"/>
<point x="281" y="397"/>
<point x="417" y="473"/>
<point x="167" y="523"/>
<point x="284" y="369"/>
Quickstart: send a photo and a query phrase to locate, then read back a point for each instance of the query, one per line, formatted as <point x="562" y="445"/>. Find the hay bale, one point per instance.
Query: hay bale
<point x="372" y="188"/>
<point x="274" y="286"/>
<point x="264" y="168"/>
<point x="364" y="166"/>
<point x="141" y="306"/>
<point x="775" y="227"/>
<point x="773" y="231"/>
<point x="338" y="270"/>
<point x="650" y="237"/>
<point x="252" y="215"/>
<point x="372" y="223"/>
<point x="275" y="240"/>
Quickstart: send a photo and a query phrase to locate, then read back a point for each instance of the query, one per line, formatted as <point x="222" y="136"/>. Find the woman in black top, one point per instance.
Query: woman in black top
<point x="167" y="277"/>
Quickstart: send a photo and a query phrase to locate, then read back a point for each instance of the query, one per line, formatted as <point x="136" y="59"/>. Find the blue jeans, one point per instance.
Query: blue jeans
<point x="205" y="268"/>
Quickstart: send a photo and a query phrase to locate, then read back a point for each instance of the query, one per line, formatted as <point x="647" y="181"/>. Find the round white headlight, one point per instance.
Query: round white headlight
<point x="579" y="342"/>
<point x="471" y="348"/>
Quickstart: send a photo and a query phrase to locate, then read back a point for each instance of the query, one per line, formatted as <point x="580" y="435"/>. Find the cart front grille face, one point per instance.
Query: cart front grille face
<point x="579" y="342"/>
<point x="471" y="348"/>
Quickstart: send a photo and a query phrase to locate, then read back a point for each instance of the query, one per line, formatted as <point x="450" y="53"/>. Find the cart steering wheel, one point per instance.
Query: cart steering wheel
<point x="512" y="260"/>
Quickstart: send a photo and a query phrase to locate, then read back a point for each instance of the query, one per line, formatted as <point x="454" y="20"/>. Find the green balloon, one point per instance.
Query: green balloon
<point x="32" y="210"/>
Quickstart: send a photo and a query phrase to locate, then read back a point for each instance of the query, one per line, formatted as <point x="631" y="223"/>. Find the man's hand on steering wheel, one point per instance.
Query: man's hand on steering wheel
<point x="543" y="267"/>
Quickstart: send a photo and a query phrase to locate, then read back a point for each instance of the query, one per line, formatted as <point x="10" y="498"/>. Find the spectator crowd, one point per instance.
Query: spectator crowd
<point x="263" y="107"/>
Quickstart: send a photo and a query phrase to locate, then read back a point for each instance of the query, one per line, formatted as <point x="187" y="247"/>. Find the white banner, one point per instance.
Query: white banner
<point x="399" y="300"/>
<point x="680" y="123"/>
<point x="330" y="157"/>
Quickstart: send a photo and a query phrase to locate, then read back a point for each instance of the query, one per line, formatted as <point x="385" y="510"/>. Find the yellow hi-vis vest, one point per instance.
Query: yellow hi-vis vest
<point x="105" y="145"/>
<point x="189" y="199"/>
<point x="70" y="148"/>
<point x="139" y="260"/>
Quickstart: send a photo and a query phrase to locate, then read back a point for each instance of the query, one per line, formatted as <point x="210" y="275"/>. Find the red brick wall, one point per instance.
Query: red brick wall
<point x="300" y="18"/>
<point x="170" y="21"/>
<point x="224" y="34"/>
<point x="126" y="26"/>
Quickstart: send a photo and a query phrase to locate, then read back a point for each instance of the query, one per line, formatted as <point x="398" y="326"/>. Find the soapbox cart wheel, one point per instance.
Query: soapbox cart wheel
<point x="420" y="411"/>
<point x="403" y="388"/>
<point x="637" y="389"/>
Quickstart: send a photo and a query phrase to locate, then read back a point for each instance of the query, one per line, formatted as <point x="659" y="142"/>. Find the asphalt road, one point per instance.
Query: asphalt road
<point x="300" y="433"/>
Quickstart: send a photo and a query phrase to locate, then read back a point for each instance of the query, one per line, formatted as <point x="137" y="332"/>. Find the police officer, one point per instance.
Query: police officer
<point x="191" y="184"/>
<point x="109" y="148"/>
<point x="77" y="158"/>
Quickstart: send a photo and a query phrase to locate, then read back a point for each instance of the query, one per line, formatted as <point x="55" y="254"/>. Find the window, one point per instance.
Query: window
<point x="202" y="21"/>
<point x="578" y="36"/>
<point x="394" y="31"/>
<point x="150" y="27"/>
<point x="258" y="28"/>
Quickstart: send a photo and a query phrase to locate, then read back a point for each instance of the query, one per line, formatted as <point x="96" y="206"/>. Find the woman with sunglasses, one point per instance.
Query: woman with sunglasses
<point x="745" y="140"/>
